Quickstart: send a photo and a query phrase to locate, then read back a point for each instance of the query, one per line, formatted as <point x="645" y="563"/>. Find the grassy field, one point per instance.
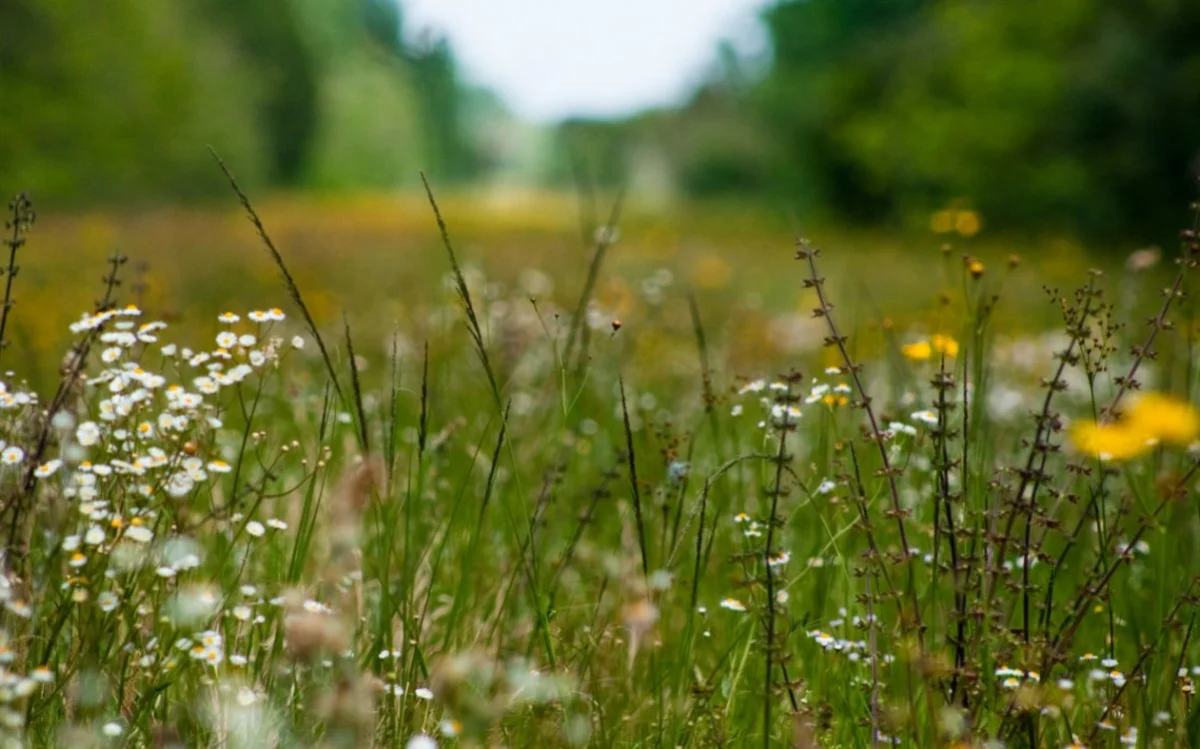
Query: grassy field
<point x="697" y="487"/>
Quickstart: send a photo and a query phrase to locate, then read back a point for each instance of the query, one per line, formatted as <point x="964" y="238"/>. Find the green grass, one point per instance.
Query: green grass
<point x="507" y="524"/>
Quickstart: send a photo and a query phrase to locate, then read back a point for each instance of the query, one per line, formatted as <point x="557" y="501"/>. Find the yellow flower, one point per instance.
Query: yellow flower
<point x="1109" y="441"/>
<point x="1154" y="418"/>
<point x="967" y="223"/>
<point x="1165" y="418"/>
<point x="835" y="400"/>
<point x="922" y="350"/>
<point x="944" y="344"/>
<point x="918" y="351"/>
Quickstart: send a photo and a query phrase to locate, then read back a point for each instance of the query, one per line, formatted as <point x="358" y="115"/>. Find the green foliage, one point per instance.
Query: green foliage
<point x="269" y="39"/>
<point x="441" y="98"/>
<point x="1083" y="114"/>
<point x="117" y="102"/>
<point x="368" y="134"/>
<point x="319" y="92"/>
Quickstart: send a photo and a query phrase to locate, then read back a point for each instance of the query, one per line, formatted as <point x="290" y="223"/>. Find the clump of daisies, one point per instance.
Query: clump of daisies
<point x="138" y="488"/>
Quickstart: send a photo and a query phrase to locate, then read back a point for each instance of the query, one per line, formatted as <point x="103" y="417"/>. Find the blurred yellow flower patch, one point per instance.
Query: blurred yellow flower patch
<point x="924" y="349"/>
<point x="1154" y="418"/>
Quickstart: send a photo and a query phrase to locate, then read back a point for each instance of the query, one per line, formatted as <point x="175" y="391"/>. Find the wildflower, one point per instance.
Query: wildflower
<point x="826" y="486"/>
<point x="297" y="342"/>
<point x="974" y="267"/>
<point x="918" y="351"/>
<point x="226" y="339"/>
<point x="777" y="560"/>
<point x="107" y="601"/>
<point x="112" y="729"/>
<point x="944" y="344"/>
<point x="733" y="604"/>
<point x="1109" y="441"/>
<point x="1165" y="418"/>
<point x="423" y="693"/>
<point x="42" y="675"/>
<point x="927" y="416"/>
<point x="237" y="660"/>
<point x="219" y="466"/>
<point x="247" y="340"/>
<point x="967" y="223"/>
<point x="258" y="316"/>
<point x="87" y="433"/>
<point x="229" y="317"/>
<point x="213" y="656"/>
<point x="421" y="741"/>
<point x="139" y="533"/>
<point x="277" y="524"/>
<point x="782" y="596"/>
<point x="11" y="455"/>
<point x="206" y="385"/>
<point x="755" y="386"/>
<point x="180" y="485"/>
<point x="20" y="608"/>
<point x="741" y="517"/>
<point x="1153" y="418"/>
<point x="255" y="528"/>
<point x="784" y="414"/>
<point x="77" y="560"/>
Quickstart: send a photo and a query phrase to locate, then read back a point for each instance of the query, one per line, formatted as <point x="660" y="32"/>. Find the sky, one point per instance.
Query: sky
<point x="551" y="59"/>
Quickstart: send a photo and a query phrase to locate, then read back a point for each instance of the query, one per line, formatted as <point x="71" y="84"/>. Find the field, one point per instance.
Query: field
<point x="356" y="482"/>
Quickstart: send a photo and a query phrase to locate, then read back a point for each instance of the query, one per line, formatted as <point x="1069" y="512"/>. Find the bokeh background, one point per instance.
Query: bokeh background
<point x="1067" y="132"/>
<point x="1079" y="116"/>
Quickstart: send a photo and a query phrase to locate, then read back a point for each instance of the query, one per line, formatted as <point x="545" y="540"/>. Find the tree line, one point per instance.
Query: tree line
<point x="120" y="99"/>
<point x="1080" y="116"/>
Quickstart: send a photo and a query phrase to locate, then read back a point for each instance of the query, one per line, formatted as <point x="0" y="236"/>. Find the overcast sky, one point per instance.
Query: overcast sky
<point x="556" y="58"/>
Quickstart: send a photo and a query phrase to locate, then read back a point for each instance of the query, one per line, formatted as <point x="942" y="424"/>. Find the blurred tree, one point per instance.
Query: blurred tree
<point x="441" y="94"/>
<point x="389" y="105"/>
<point x="1080" y="114"/>
<point x="831" y="60"/>
<point x="118" y="103"/>
<point x="268" y="38"/>
<point x="121" y="103"/>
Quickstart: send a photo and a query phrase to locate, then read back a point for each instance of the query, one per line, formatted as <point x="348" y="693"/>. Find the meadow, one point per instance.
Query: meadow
<point x="391" y="472"/>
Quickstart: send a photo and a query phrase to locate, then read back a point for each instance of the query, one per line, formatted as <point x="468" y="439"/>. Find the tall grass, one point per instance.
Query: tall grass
<point x="522" y="534"/>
